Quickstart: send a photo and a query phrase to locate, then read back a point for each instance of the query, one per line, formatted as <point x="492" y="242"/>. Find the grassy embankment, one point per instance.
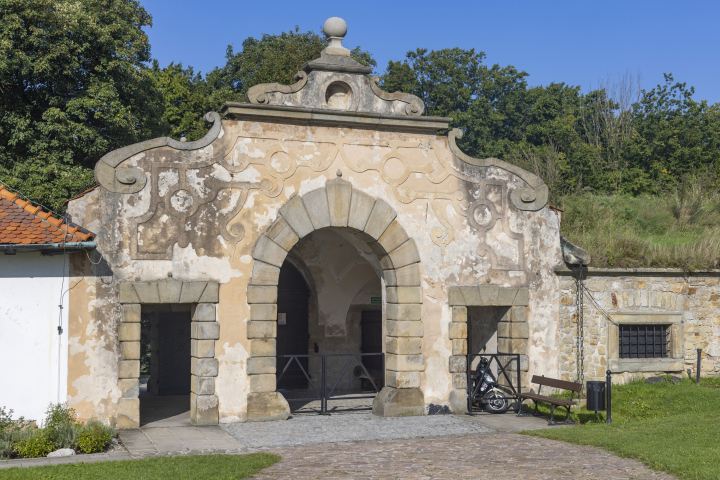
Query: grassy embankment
<point x="677" y="230"/>
<point x="673" y="428"/>
<point x="177" y="468"/>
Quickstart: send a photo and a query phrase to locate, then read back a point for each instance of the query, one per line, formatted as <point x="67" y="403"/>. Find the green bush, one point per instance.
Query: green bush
<point x="39" y="444"/>
<point x="61" y="425"/>
<point x="95" y="437"/>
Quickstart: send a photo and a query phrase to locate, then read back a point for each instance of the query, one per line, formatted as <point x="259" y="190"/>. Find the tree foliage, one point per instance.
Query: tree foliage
<point x="73" y="87"/>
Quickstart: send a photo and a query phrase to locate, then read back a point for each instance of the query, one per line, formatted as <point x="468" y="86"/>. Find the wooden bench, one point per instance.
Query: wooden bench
<point x="554" y="402"/>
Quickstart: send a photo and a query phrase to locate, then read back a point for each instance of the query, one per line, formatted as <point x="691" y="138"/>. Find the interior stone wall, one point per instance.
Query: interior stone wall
<point x="689" y="303"/>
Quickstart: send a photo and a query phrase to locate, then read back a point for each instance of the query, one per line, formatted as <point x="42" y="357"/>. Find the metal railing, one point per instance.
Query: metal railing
<point x="321" y="391"/>
<point x="503" y="362"/>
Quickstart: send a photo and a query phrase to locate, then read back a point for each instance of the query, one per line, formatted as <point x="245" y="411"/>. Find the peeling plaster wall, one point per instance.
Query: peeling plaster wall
<point x="201" y="212"/>
<point x="34" y="372"/>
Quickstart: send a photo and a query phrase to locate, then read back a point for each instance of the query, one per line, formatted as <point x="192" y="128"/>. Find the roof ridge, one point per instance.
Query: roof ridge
<point x="72" y="232"/>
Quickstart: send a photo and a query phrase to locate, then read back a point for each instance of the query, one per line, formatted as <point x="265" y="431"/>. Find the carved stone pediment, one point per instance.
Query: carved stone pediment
<point x="335" y="81"/>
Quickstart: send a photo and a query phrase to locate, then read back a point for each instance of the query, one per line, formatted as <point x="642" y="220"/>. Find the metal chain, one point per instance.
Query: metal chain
<point x="580" y="303"/>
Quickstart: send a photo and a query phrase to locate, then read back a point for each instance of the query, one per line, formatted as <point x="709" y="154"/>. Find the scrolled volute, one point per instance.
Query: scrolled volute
<point x="528" y="199"/>
<point x="414" y="105"/>
<point x="132" y="179"/>
<point x="258" y="94"/>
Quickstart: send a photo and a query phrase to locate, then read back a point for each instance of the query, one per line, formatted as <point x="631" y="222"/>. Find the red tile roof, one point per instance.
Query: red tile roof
<point x="22" y="223"/>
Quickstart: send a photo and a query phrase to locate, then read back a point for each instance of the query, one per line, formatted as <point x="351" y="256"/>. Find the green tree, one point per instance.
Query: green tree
<point x="73" y="87"/>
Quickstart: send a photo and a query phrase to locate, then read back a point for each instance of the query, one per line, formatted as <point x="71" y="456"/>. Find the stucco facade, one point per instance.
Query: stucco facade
<point x="359" y="191"/>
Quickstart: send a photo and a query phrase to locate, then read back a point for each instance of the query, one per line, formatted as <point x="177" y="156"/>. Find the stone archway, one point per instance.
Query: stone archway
<point x="339" y="205"/>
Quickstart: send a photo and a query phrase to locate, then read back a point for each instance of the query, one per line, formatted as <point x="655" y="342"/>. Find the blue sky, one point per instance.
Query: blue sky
<point x="576" y="42"/>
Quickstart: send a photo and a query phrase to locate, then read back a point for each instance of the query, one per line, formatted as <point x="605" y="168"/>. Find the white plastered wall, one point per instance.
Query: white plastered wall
<point x="33" y="357"/>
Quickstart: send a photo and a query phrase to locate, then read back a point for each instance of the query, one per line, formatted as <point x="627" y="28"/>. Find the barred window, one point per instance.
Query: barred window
<point x="644" y="341"/>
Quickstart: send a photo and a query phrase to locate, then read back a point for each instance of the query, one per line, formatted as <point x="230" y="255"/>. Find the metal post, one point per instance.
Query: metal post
<point x="468" y="386"/>
<point x="323" y="387"/>
<point x="699" y="351"/>
<point x="608" y="410"/>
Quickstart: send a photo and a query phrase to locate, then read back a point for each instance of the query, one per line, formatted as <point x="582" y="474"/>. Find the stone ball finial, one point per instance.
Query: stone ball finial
<point x="335" y="27"/>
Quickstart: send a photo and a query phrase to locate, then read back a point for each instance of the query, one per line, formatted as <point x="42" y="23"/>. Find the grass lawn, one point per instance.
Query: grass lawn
<point x="673" y="428"/>
<point x="176" y="468"/>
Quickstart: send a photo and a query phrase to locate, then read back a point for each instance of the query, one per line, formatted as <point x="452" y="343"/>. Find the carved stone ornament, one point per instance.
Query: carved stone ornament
<point x="529" y="199"/>
<point x="132" y="180"/>
<point x="335" y="81"/>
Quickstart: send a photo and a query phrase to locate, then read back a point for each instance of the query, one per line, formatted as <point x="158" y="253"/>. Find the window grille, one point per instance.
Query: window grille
<point x="644" y="341"/>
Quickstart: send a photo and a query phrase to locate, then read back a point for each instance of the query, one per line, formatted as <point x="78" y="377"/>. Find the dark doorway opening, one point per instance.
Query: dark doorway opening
<point x="372" y="336"/>
<point x="292" y="329"/>
<point x="165" y="365"/>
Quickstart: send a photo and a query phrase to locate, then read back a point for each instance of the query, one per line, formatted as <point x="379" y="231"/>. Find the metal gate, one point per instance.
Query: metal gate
<point x="504" y="363"/>
<point x="324" y="389"/>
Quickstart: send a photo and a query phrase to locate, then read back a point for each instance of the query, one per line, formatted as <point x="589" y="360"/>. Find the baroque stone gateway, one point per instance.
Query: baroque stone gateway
<point x="326" y="216"/>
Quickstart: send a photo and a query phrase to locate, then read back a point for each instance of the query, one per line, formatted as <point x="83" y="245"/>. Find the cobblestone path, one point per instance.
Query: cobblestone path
<point x="499" y="456"/>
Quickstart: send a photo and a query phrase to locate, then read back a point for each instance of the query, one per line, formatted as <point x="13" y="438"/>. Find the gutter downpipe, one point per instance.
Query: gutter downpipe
<point x="11" y="249"/>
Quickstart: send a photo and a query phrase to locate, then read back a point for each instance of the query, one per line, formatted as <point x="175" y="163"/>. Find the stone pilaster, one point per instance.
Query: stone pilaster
<point x="203" y="365"/>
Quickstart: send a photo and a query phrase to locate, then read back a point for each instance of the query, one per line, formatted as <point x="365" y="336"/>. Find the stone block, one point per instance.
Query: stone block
<point x="404" y="345"/>
<point x="202" y="348"/>
<point x="265" y="274"/>
<point x="192" y="291"/>
<point x="129" y="332"/>
<point x="519" y="314"/>
<point x="129" y="387"/>
<point x="281" y="233"/>
<point x="202" y="385"/>
<point x="513" y="330"/>
<point x="459" y="346"/>
<point x="459" y="381"/>
<point x="267" y="406"/>
<point x="128" y="413"/>
<point x="459" y="314"/>
<point x="126" y="294"/>
<point x="131" y="313"/>
<point x="458" y="364"/>
<point x="402" y="379"/>
<point x="522" y="297"/>
<point x="512" y="345"/>
<point x="471" y="293"/>
<point x="408" y="276"/>
<point x="393" y="236"/>
<point x="260" y="365"/>
<point x="316" y="205"/>
<point x="488" y="294"/>
<point x="263" y="347"/>
<point x="405" y="363"/>
<point x="147" y="292"/>
<point x="392" y="402"/>
<point x="381" y="216"/>
<point x="204" y="367"/>
<point x="339" y="196"/>
<point x="390" y="278"/>
<point x="261" y="329"/>
<point x="404" y="329"/>
<point x="205" y="330"/>
<point x="459" y="330"/>
<point x="269" y="252"/>
<point x="404" y="294"/>
<point x="169" y="290"/>
<point x="203" y="409"/>
<point x="506" y="296"/>
<point x="297" y="217"/>
<point x="211" y="293"/>
<point x="130" y="350"/>
<point x="263" y="311"/>
<point x="129" y="369"/>
<point x="262" y="383"/>
<point x="455" y="296"/>
<point x="403" y="311"/>
<point x="204" y="312"/>
<point x="458" y="399"/>
<point x="361" y="204"/>
<point x="261" y="294"/>
<point x="405" y="254"/>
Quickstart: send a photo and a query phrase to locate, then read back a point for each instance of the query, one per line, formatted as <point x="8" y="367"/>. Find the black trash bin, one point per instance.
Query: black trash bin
<point x="596" y="396"/>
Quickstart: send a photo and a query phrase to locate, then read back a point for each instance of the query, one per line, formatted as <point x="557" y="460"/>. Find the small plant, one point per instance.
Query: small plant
<point x="95" y="437"/>
<point x="39" y="444"/>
